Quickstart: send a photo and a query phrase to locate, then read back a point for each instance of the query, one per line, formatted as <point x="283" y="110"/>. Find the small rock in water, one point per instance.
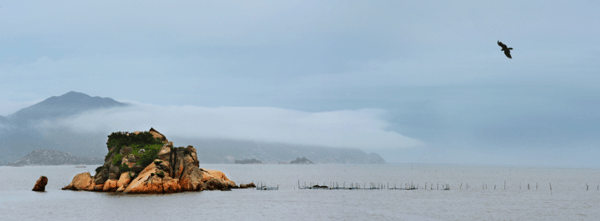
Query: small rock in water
<point x="40" y="185"/>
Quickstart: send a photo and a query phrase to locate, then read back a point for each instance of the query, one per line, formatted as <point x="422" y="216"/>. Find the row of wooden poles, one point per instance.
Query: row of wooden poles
<point x="263" y="186"/>
<point x="406" y="186"/>
<point x="372" y="186"/>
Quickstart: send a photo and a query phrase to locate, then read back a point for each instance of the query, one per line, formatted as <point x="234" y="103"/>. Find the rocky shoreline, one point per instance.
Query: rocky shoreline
<point x="169" y="169"/>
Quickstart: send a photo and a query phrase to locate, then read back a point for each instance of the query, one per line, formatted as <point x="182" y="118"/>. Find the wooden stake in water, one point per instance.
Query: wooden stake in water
<point x="550" y="188"/>
<point x="505" y="184"/>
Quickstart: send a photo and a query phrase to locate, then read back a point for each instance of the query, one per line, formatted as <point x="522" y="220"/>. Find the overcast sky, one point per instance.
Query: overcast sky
<point x="427" y="74"/>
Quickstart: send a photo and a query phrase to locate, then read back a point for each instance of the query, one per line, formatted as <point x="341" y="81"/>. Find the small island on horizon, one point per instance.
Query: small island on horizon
<point x="302" y="160"/>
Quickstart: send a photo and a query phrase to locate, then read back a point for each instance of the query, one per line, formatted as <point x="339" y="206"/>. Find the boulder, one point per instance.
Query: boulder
<point x="214" y="184"/>
<point x="216" y="174"/>
<point x="220" y="176"/>
<point x="137" y="168"/>
<point x="186" y="169"/>
<point x="146" y="182"/>
<point x="80" y="182"/>
<point x="114" y="172"/>
<point x="171" y="185"/>
<point x="165" y="153"/>
<point x="110" y="185"/>
<point x="95" y="187"/>
<point x="123" y="180"/>
<point x="126" y="150"/>
<point x="155" y="134"/>
<point x="40" y="185"/>
<point x="131" y="158"/>
<point x="158" y="135"/>
<point x="102" y="176"/>
<point x="249" y="185"/>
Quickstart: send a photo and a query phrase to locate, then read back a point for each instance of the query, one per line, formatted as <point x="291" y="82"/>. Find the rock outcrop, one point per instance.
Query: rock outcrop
<point x="40" y="185"/>
<point x="80" y="182"/>
<point x="146" y="162"/>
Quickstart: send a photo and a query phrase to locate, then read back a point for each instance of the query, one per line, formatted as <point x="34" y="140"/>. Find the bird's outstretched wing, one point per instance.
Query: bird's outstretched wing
<point x="507" y="53"/>
<point x="501" y="44"/>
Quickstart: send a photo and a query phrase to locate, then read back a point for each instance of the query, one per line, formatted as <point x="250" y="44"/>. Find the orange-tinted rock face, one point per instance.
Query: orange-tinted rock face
<point x="146" y="182"/>
<point x="80" y="182"/>
<point x="40" y="185"/>
<point x="216" y="174"/>
<point x="110" y="186"/>
<point x="186" y="168"/>
<point x="171" y="185"/>
<point x="206" y="176"/>
<point x="124" y="179"/>
<point x="219" y="176"/>
<point x="158" y="135"/>
<point x="215" y="180"/>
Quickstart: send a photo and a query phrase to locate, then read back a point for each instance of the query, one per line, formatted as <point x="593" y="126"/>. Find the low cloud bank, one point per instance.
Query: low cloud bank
<point x="364" y="128"/>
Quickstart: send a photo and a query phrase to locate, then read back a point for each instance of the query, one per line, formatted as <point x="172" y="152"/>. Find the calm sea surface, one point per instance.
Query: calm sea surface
<point x="568" y="199"/>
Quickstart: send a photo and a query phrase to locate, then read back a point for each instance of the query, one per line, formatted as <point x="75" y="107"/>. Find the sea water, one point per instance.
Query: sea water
<point x="476" y="193"/>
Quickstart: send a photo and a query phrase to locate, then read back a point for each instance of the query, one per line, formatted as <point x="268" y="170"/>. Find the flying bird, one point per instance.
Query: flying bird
<point x="506" y="49"/>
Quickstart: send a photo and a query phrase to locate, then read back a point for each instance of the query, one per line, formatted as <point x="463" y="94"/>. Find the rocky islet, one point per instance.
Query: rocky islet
<point x="40" y="184"/>
<point x="146" y="162"/>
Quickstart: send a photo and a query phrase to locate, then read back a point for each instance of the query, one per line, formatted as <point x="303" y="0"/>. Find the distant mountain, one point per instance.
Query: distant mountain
<point x="65" y="105"/>
<point x="55" y="157"/>
<point x="19" y="135"/>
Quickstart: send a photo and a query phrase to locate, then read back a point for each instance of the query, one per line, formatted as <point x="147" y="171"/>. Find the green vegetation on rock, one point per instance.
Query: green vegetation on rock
<point x="124" y="168"/>
<point x="117" y="160"/>
<point x="98" y="169"/>
<point x="147" y="157"/>
<point x="137" y="142"/>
